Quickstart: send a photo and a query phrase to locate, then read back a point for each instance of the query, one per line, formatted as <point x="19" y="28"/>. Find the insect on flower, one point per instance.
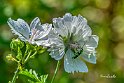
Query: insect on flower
<point x="76" y="43"/>
<point x="34" y="34"/>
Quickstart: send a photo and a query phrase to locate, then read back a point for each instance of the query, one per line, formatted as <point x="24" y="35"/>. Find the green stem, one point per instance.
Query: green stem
<point x="33" y="54"/>
<point x="55" y="72"/>
<point x="23" y="60"/>
<point x="28" y="56"/>
<point x="15" y="75"/>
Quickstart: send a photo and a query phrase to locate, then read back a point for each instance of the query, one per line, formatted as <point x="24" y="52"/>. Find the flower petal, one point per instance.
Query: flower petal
<point x="60" y="27"/>
<point x="57" y="54"/>
<point x="82" y="29"/>
<point x="57" y="48"/>
<point x="36" y="24"/>
<point x="90" y="58"/>
<point x="78" y="23"/>
<point x="67" y="21"/>
<point x="86" y="31"/>
<point x="20" y="28"/>
<point x="41" y="34"/>
<point x="92" y="41"/>
<point x="89" y="49"/>
<point x="41" y="37"/>
<point x="72" y="65"/>
<point x="42" y="42"/>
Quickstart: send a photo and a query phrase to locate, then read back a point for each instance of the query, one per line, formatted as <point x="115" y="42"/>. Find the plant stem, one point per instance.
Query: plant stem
<point x="15" y="75"/>
<point x="28" y="56"/>
<point x="33" y="54"/>
<point x="55" y="72"/>
<point x="23" y="60"/>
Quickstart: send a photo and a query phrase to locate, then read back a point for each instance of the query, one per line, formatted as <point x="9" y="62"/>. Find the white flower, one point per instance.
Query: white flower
<point x="75" y="43"/>
<point x="34" y="34"/>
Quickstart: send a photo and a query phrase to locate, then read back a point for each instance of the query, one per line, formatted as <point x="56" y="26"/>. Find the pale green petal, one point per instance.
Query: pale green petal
<point x="72" y="65"/>
<point x="92" y="41"/>
<point x="67" y="21"/>
<point x="89" y="49"/>
<point x="82" y="30"/>
<point x="58" y="54"/>
<point x="36" y="24"/>
<point x="89" y="57"/>
<point x="78" y="23"/>
<point x="60" y="27"/>
<point x="20" y="28"/>
<point x="39" y="35"/>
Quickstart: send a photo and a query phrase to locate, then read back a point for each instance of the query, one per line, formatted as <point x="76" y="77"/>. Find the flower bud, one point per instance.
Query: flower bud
<point x="10" y="57"/>
<point x="16" y="43"/>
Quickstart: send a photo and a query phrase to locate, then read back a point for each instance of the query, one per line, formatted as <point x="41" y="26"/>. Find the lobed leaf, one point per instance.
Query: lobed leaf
<point x="33" y="76"/>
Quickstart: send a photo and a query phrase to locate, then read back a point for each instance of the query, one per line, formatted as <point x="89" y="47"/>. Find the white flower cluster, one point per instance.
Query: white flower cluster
<point x="69" y="37"/>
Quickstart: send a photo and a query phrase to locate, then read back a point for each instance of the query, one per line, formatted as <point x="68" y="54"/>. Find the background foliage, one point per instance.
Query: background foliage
<point x="105" y="17"/>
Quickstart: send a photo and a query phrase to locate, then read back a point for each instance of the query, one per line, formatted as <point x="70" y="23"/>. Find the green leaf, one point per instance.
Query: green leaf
<point x="33" y="76"/>
<point x="29" y="74"/>
<point x="43" y="78"/>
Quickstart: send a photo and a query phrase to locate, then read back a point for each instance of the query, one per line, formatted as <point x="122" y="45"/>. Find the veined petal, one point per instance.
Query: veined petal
<point x="89" y="49"/>
<point x="20" y="28"/>
<point x="72" y="65"/>
<point x="57" y="54"/>
<point x="82" y="33"/>
<point x="89" y="57"/>
<point x="57" y="48"/>
<point x="47" y="28"/>
<point x="67" y="21"/>
<point x="41" y="34"/>
<point x="82" y="30"/>
<point x="78" y="37"/>
<point x="92" y="41"/>
<point x="86" y="31"/>
<point x="78" y="23"/>
<point x="60" y="27"/>
<point x="36" y="24"/>
<point x="42" y="42"/>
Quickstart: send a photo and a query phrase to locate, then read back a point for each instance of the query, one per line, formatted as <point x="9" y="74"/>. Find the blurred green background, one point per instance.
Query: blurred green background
<point x="105" y="17"/>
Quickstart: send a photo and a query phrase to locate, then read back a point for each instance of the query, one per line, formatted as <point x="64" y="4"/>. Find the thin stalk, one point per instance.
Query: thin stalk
<point x="24" y="55"/>
<point x="33" y="54"/>
<point x="55" y="72"/>
<point x="28" y="56"/>
<point x="15" y="75"/>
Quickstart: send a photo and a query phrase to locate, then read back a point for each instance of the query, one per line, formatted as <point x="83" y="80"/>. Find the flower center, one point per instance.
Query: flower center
<point x="74" y="46"/>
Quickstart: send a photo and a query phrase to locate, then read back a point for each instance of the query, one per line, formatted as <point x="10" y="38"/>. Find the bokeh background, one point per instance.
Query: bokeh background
<point x="105" y="17"/>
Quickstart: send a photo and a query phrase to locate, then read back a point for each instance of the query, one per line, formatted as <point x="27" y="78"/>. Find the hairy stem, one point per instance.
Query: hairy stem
<point x="15" y="75"/>
<point x="55" y="72"/>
